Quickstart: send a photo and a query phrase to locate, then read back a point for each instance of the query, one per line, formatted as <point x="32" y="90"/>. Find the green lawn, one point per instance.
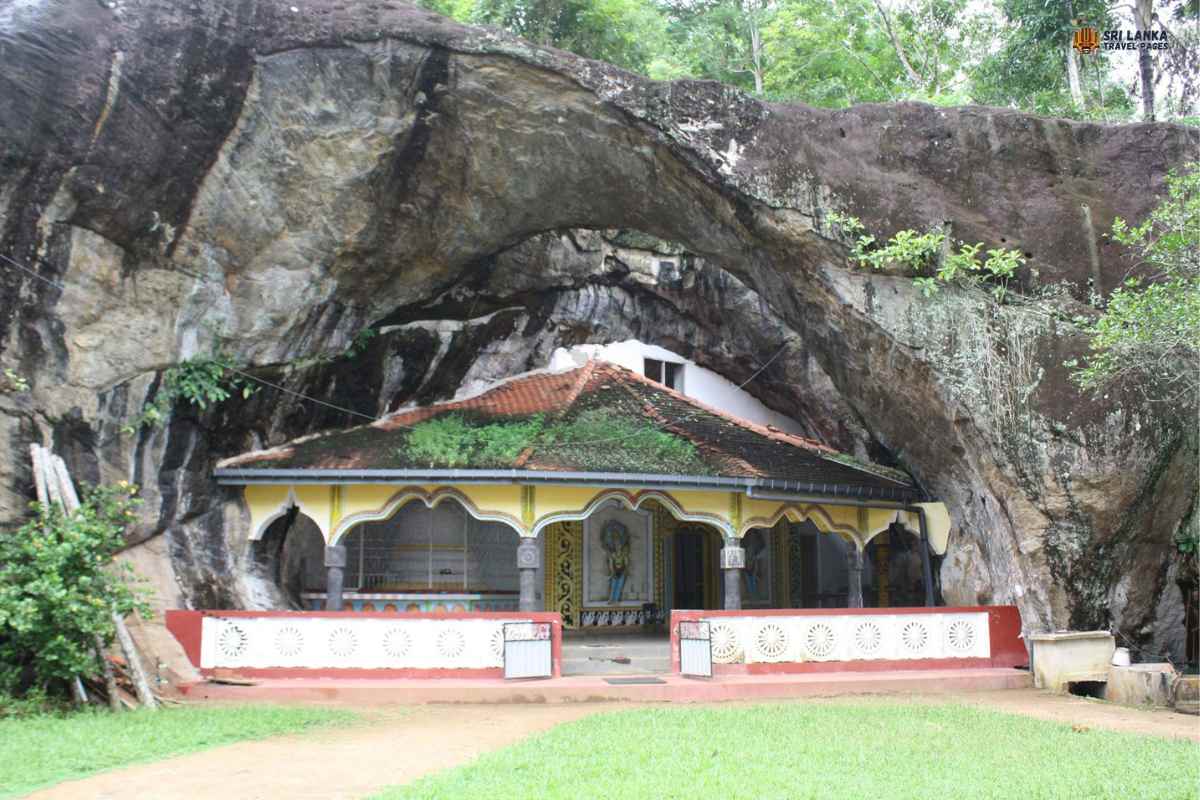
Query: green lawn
<point x="879" y="751"/>
<point x="39" y="751"/>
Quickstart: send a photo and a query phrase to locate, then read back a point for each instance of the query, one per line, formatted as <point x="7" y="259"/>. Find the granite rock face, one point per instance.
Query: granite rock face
<point x="274" y="177"/>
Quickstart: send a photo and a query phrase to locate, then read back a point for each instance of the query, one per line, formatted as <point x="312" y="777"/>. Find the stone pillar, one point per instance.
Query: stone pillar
<point x="527" y="565"/>
<point x="733" y="561"/>
<point x="335" y="569"/>
<point x="854" y="566"/>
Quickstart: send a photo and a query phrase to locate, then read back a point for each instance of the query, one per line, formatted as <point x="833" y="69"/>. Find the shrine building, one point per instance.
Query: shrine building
<point x="594" y="492"/>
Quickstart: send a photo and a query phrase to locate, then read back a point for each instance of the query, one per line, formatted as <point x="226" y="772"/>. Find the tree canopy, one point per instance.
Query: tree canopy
<point x="1010" y="53"/>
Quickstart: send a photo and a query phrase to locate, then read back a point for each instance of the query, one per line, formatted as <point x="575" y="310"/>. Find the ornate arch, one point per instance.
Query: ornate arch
<point x="290" y="501"/>
<point x="813" y="513"/>
<point x="634" y="501"/>
<point x="431" y="499"/>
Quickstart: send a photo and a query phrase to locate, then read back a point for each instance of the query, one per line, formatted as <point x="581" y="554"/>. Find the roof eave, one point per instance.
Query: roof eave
<point x="237" y="476"/>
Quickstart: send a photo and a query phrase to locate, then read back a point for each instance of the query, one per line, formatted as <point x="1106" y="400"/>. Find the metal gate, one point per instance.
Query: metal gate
<point x="527" y="650"/>
<point x="695" y="648"/>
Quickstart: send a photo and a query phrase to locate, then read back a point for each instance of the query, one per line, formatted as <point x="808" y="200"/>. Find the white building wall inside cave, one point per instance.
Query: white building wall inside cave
<point x="702" y="384"/>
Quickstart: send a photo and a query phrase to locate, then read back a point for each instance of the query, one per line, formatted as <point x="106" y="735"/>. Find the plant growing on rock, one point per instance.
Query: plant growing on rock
<point x="1148" y="334"/>
<point x="934" y="261"/>
<point x="11" y="382"/>
<point x="59" y="586"/>
<point x="199" y="381"/>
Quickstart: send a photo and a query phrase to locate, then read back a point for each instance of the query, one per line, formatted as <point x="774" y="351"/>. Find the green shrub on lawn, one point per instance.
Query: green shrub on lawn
<point x="58" y="588"/>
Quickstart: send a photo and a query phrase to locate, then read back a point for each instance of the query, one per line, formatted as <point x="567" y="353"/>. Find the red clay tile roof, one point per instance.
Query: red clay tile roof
<point x="727" y="445"/>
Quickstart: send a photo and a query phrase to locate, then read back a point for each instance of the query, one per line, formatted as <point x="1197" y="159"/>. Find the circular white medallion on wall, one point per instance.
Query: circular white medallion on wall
<point x="451" y="643"/>
<point x="232" y="641"/>
<point x="342" y="642"/>
<point x="496" y="643"/>
<point x="819" y="640"/>
<point x="289" y="641"/>
<point x="771" y="641"/>
<point x="914" y="637"/>
<point x="868" y="638"/>
<point x="396" y="642"/>
<point x="724" y="643"/>
<point x="960" y="637"/>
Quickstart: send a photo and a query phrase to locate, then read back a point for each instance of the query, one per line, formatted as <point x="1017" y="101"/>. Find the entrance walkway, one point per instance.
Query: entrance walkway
<point x="599" y="652"/>
<point x="397" y="746"/>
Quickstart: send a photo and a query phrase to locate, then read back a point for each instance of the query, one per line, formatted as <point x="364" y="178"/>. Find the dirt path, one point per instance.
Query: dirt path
<point x="1081" y="711"/>
<point x="397" y="747"/>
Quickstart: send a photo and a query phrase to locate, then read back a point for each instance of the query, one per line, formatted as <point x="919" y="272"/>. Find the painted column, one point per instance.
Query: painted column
<point x="527" y="565"/>
<point x="733" y="561"/>
<point x="335" y="569"/>
<point x="854" y="567"/>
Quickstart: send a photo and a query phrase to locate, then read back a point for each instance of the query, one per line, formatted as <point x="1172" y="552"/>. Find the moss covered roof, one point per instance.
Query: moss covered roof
<point x="596" y="418"/>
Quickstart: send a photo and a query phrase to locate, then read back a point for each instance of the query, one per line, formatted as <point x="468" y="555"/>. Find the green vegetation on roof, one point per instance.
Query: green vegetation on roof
<point x="452" y="441"/>
<point x="596" y="440"/>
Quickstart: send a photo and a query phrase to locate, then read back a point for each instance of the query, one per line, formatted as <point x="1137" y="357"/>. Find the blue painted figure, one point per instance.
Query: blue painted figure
<point x="614" y="538"/>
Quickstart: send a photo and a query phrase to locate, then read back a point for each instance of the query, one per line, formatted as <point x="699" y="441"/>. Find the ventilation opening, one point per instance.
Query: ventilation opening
<point x="1086" y="689"/>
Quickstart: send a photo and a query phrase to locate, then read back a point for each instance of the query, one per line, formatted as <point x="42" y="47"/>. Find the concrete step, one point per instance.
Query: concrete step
<point x="590" y="689"/>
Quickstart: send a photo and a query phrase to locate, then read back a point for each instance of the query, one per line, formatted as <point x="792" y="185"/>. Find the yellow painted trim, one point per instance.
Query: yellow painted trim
<point x="634" y="501"/>
<point x="937" y="525"/>
<point x="430" y="499"/>
<point x="269" y="502"/>
<point x="821" y="516"/>
<point x="527" y="506"/>
<point x="335" y="506"/>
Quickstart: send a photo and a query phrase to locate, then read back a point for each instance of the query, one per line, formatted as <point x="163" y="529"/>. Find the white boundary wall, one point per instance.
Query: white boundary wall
<point x="849" y="637"/>
<point x="348" y="643"/>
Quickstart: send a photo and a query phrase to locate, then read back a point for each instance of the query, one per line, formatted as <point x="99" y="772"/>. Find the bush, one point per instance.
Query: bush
<point x="1148" y="334"/>
<point x="58" y="588"/>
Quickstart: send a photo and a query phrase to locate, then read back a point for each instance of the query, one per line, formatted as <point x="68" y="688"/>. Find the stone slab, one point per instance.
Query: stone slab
<point x="1066" y="657"/>
<point x="1140" y="685"/>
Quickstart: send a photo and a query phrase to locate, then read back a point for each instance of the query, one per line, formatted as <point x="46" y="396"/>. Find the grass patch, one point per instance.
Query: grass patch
<point x="43" y="750"/>
<point x="822" y="751"/>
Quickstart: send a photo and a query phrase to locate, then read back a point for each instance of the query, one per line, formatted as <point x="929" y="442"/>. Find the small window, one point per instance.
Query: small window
<point x="673" y="375"/>
<point x="654" y="369"/>
<point x="667" y="373"/>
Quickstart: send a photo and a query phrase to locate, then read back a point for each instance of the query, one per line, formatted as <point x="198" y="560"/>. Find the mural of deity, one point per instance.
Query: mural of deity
<point x="614" y="538"/>
<point x="618" y="566"/>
